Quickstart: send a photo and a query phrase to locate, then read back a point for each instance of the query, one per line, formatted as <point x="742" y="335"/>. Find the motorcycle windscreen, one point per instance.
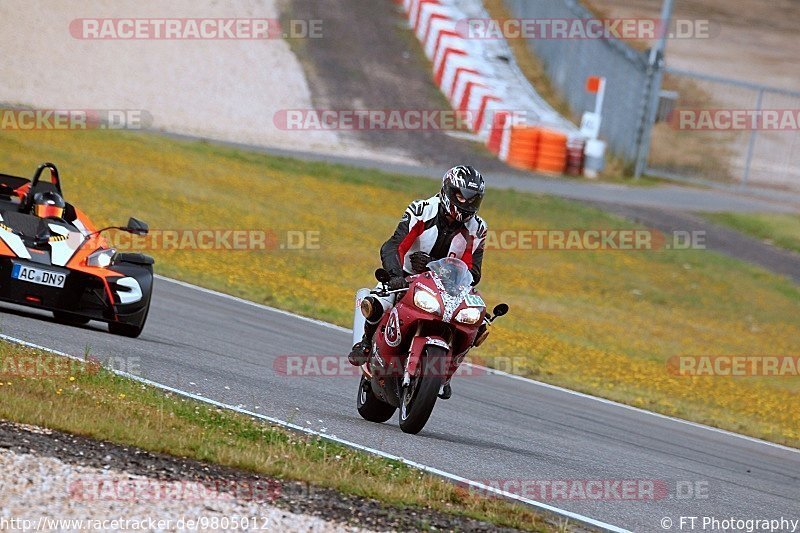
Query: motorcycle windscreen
<point x="453" y="274"/>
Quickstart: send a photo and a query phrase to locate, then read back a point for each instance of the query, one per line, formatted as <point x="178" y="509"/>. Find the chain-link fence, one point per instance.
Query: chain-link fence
<point x="728" y="131"/>
<point x="569" y="62"/>
<point x="708" y="128"/>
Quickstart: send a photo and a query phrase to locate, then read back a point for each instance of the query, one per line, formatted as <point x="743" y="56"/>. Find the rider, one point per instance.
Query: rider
<point x="48" y="205"/>
<point x="446" y="225"/>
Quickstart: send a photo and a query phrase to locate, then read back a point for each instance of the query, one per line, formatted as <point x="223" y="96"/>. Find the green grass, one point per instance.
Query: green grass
<point x="100" y="405"/>
<point x="780" y="229"/>
<point x="604" y="322"/>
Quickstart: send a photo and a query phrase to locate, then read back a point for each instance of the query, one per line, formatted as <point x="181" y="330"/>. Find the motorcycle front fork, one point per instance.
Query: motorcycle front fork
<point x="450" y="371"/>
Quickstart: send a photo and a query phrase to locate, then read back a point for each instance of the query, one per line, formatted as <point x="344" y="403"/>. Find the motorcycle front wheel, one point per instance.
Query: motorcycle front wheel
<point x="420" y="396"/>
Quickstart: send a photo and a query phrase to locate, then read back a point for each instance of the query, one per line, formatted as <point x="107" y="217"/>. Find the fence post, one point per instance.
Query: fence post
<point x="751" y="145"/>
<point x="656" y="67"/>
<point x="649" y="117"/>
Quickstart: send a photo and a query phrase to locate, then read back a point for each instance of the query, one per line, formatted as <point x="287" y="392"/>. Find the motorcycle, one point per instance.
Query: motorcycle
<point x="420" y="341"/>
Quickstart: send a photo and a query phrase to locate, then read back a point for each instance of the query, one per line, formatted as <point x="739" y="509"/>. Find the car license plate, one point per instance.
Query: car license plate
<point x="38" y="276"/>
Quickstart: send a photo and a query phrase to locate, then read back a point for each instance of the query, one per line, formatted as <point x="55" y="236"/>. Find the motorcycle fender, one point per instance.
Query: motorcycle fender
<point x="417" y="347"/>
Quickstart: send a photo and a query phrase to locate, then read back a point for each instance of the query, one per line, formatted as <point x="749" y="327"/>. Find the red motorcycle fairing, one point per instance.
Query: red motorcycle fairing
<point x="406" y="330"/>
<point x="420" y="342"/>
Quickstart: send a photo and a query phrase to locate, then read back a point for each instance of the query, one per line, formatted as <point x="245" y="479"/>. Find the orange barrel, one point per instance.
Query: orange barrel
<point x="524" y="147"/>
<point x="496" y="134"/>
<point x="552" y="157"/>
<point x="575" y="146"/>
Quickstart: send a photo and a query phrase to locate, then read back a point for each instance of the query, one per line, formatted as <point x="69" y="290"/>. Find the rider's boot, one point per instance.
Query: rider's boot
<point x="360" y="352"/>
<point x="446" y="391"/>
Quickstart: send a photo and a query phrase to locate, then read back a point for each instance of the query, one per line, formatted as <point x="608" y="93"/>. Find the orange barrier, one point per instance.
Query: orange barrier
<point x="524" y="147"/>
<point x="531" y="147"/>
<point x="552" y="156"/>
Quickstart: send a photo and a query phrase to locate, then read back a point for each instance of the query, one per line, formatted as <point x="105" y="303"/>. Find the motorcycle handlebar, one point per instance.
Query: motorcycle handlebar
<point x="387" y="293"/>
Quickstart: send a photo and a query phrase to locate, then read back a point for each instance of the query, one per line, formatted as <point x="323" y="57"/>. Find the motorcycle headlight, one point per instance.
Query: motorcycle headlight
<point x="427" y="302"/>
<point x="470" y="315"/>
<point x="101" y="258"/>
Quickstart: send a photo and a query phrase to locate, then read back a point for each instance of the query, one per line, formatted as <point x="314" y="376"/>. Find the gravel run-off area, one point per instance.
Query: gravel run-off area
<point x="45" y="493"/>
<point x="48" y="476"/>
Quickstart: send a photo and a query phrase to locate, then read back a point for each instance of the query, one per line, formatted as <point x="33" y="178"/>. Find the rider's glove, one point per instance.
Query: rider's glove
<point x="397" y="282"/>
<point x="419" y="262"/>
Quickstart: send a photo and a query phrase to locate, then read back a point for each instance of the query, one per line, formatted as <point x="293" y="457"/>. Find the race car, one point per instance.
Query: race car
<point x="55" y="259"/>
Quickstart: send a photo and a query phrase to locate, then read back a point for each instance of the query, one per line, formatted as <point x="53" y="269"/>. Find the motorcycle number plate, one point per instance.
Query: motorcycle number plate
<point x="38" y="276"/>
<point x="473" y="300"/>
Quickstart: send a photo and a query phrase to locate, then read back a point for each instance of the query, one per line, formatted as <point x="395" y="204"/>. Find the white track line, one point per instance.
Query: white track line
<point x="496" y="372"/>
<point x="413" y="464"/>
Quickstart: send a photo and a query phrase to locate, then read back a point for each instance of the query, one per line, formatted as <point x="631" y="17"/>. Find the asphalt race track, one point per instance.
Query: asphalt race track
<point x="494" y="427"/>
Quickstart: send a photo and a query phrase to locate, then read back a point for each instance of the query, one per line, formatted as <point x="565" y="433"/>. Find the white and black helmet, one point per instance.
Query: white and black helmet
<point x="462" y="192"/>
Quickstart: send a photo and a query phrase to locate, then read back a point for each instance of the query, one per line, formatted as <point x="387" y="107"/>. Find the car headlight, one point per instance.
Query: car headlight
<point x="470" y="315"/>
<point x="427" y="302"/>
<point x="101" y="258"/>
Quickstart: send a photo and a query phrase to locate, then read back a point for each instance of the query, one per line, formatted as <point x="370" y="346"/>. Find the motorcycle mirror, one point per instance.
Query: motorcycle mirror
<point x="137" y="227"/>
<point x="382" y="275"/>
<point x="500" y="310"/>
